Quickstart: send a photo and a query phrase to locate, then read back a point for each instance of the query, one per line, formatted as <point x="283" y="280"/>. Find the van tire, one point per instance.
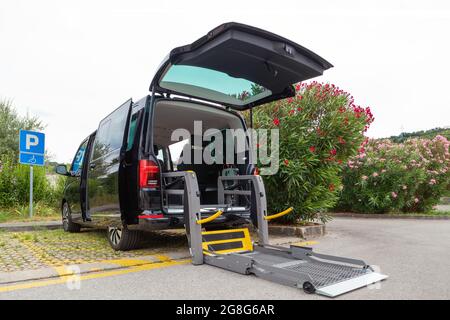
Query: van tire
<point x="67" y="223"/>
<point x="123" y="239"/>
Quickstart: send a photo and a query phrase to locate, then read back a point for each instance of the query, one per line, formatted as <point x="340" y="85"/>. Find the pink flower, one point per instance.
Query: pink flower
<point x="432" y="181"/>
<point x="375" y="174"/>
<point x="416" y="200"/>
<point x="394" y="195"/>
<point x="364" y="177"/>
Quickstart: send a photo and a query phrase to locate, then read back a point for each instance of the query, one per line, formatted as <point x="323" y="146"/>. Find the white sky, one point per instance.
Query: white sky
<point x="72" y="62"/>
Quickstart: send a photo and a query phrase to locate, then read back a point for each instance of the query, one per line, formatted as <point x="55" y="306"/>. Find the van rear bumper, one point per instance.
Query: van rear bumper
<point x="150" y="221"/>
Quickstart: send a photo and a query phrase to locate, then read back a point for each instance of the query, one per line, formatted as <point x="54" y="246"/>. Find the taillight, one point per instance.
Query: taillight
<point x="148" y="174"/>
<point x="256" y="171"/>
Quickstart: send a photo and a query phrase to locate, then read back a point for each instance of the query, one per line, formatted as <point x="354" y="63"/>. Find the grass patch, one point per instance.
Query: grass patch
<point x="20" y="214"/>
<point x="96" y="237"/>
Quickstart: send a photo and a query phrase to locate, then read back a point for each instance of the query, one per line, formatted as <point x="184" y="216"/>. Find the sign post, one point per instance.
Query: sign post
<point x="31" y="191"/>
<point x="31" y="152"/>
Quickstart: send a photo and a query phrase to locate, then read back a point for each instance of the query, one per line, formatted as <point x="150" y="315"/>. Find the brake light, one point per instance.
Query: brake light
<point x="148" y="174"/>
<point x="256" y="171"/>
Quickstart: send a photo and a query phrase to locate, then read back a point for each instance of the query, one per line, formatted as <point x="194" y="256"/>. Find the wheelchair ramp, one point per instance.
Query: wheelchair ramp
<point x="339" y="288"/>
<point x="331" y="279"/>
<point x="327" y="278"/>
<point x="234" y="250"/>
<point x="226" y="241"/>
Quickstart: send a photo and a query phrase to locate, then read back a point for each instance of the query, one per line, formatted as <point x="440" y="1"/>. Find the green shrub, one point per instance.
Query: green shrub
<point x="15" y="184"/>
<point x="8" y="181"/>
<point x="320" y="128"/>
<point x="14" y="178"/>
<point x="407" y="177"/>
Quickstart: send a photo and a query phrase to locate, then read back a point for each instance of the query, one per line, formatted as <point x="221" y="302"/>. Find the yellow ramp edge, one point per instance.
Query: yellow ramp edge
<point x="246" y="242"/>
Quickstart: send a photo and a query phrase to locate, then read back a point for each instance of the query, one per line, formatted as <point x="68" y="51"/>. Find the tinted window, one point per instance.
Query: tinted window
<point x="110" y="133"/>
<point x="132" y="131"/>
<point x="77" y="163"/>
<point x="212" y="84"/>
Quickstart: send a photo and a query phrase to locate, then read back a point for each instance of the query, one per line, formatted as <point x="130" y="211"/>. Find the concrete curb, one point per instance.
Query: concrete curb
<point x="68" y="270"/>
<point x="30" y="226"/>
<point x="387" y="216"/>
<point x="305" y="232"/>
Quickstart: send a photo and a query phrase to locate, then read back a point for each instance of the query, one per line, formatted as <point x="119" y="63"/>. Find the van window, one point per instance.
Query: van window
<point x="110" y="133"/>
<point x="212" y="85"/>
<point x="132" y="131"/>
<point x="77" y="163"/>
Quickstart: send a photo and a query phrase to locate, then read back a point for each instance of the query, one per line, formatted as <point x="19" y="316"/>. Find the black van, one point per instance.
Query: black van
<point x="115" y="180"/>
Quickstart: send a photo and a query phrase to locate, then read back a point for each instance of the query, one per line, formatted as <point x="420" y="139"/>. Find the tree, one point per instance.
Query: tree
<point x="10" y="124"/>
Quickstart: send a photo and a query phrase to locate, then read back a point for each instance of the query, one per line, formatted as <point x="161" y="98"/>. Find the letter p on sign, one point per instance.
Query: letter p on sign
<point x="32" y="140"/>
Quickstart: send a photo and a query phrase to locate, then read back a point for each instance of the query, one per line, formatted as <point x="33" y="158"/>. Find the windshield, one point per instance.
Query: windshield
<point x="212" y="85"/>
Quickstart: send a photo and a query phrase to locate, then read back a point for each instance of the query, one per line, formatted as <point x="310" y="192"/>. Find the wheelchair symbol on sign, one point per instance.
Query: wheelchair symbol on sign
<point x="32" y="160"/>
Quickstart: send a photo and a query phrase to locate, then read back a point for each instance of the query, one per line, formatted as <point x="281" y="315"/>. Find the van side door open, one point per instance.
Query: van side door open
<point x="74" y="193"/>
<point x="104" y="165"/>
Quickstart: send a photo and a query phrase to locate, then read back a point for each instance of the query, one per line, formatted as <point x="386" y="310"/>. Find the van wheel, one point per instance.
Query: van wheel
<point x="68" y="225"/>
<point x="123" y="239"/>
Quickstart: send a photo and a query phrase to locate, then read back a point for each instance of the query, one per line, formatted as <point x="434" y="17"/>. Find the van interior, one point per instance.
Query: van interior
<point x="177" y="153"/>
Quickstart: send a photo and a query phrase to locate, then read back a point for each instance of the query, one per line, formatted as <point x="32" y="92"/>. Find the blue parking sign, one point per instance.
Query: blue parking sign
<point x="31" y="147"/>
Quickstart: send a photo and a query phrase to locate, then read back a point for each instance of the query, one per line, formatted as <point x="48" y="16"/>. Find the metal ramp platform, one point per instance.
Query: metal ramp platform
<point x="295" y="266"/>
<point x="326" y="277"/>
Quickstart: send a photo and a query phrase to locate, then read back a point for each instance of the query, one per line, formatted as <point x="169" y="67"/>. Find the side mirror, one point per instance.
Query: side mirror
<point x="61" y="169"/>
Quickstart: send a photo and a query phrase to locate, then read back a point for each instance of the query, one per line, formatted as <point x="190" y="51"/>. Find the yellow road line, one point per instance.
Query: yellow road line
<point x="162" y="257"/>
<point x="89" y="276"/>
<point x="62" y="271"/>
<point x="305" y="243"/>
<point x="127" y="262"/>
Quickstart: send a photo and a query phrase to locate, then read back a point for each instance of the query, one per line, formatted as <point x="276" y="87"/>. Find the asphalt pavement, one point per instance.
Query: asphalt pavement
<point x="415" y="254"/>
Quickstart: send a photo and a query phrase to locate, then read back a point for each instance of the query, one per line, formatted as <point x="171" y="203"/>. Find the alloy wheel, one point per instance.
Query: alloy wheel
<point x="65" y="216"/>
<point x="115" y="234"/>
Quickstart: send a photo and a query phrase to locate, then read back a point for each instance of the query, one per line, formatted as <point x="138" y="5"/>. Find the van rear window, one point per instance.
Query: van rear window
<point x="212" y="85"/>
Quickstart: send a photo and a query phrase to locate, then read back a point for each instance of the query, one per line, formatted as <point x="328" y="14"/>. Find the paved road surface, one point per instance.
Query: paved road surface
<point x="414" y="253"/>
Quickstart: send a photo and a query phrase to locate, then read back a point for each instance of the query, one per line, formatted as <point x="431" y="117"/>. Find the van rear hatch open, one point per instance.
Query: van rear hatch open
<point x="238" y="66"/>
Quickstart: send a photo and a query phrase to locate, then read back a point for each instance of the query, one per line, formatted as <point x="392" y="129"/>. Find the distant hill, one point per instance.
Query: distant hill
<point x="429" y="134"/>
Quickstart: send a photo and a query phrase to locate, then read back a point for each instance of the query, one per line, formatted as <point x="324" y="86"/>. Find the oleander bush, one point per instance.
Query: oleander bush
<point x="319" y="130"/>
<point x="405" y="177"/>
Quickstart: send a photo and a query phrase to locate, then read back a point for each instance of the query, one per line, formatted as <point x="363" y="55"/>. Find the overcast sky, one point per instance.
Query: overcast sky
<point x="72" y="62"/>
